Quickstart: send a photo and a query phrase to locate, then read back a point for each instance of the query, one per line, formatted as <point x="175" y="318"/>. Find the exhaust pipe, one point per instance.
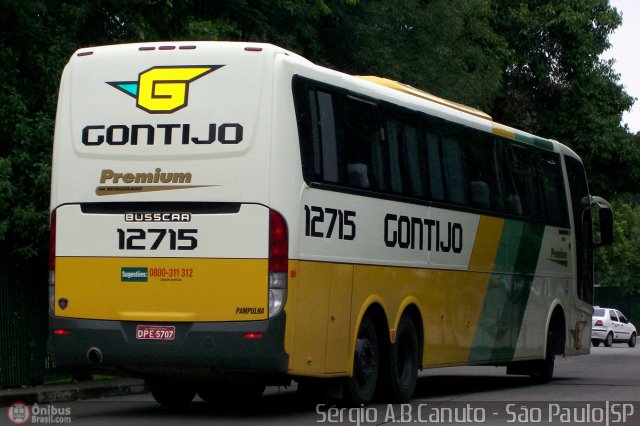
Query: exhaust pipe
<point x="94" y="355"/>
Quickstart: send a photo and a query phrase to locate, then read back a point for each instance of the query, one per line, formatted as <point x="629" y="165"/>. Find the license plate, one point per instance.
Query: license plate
<point x="155" y="332"/>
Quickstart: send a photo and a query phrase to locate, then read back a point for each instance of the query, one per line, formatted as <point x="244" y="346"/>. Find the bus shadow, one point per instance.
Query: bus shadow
<point x="289" y="405"/>
<point x="269" y="409"/>
<point x="451" y="385"/>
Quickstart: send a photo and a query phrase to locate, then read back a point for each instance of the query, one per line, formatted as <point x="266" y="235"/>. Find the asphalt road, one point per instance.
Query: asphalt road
<point x="599" y="389"/>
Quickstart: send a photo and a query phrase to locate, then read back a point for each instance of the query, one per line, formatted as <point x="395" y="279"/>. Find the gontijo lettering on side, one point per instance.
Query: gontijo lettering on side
<point x="409" y="232"/>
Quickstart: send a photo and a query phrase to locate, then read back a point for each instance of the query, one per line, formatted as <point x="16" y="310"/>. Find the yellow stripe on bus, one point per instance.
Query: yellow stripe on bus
<point x="162" y="289"/>
<point x="502" y="130"/>
<point x="485" y="247"/>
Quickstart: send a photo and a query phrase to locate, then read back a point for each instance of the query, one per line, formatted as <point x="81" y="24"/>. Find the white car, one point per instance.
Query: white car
<point x="610" y="326"/>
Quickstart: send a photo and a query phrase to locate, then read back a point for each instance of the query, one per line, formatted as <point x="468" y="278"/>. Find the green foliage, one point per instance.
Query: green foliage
<point x="618" y="264"/>
<point x="446" y="47"/>
<point x="532" y="64"/>
<point x="556" y="86"/>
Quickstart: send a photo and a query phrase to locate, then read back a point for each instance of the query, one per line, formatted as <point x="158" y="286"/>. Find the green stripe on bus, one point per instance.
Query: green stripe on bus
<point x="524" y="269"/>
<point x="543" y="143"/>
<point x="508" y="292"/>
<point x="535" y="141"/>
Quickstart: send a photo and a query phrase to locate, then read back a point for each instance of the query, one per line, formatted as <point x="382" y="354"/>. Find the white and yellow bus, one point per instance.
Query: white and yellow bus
<point x="226" y="216"/>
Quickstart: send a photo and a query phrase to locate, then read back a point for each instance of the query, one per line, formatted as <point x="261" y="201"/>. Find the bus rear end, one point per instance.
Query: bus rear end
<point x="166" y="259"/>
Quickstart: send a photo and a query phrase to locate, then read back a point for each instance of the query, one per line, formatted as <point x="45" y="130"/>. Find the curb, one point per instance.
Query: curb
<point x="72" y="391"/>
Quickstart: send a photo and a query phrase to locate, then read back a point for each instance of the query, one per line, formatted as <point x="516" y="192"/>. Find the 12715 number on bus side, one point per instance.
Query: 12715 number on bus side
<point x="329" y="219"/>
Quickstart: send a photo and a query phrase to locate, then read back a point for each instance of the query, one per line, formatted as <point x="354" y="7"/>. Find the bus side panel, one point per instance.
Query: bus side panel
<point x="508" y="292"/>
<point x="550" y="286"/>
<point x="321" y="304"/>
<point x="452" y="301"/>
<point x="338" y="358"/>
<point x="309" y="300"/>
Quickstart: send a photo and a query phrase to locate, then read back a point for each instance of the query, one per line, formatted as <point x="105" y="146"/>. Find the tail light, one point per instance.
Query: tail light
<point x="52" y="262"/>
<point x="598" y="323"/>
<point x="278" y="262"/>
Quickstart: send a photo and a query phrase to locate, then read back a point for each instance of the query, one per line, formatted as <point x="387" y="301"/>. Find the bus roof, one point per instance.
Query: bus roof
<point x="497" y="128"/>
<point x="405" y="88"/>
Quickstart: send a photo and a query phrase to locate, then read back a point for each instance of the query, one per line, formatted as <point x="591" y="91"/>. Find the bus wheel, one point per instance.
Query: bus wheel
<point x="403" y="362"/>
<point x="172" y="394"/>
<point x="359" y="388"/>
<point x="542" y="370"/>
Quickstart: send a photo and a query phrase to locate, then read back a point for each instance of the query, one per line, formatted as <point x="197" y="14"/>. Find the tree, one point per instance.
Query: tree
<point x="38" y="36"/>
<point x="532" y="64"/>
<point x="556" y="86"/>
<point x="617" y="265"/>
<point x="27" y="108"/>
<point x="446" y="47"/>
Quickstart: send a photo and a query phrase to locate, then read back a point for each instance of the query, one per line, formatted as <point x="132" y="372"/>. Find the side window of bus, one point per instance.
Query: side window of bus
<point x="485" y="192"/>
<point x="436" y="179"/>
<point x="407" y="156"/>
<point x="317" y="131"/>
<point x="327" y="126"/>
<point x="307" y="119"/>
<point x="522" y="164"/>
<point x="415" y="160"/>
<point x="359" y="143"/>
<point x="510" y="196"/>
<point x="365" y="151"/>
<point x="583" y="227"/>
<point x="454" y="170"/>
<point x="553" y="191"/>
<point x="394" y="139"/>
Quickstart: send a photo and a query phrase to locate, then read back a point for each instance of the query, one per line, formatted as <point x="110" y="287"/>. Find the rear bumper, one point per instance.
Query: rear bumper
<point x="600" y="334"/>
<point x="213" y="346"/>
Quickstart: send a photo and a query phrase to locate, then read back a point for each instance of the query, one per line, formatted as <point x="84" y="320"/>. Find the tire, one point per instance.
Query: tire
<point x="402" y="369"/>
<point x="172" y="394"/>
<point x="541" y="371"/>
<point x="595" y="342"/>
<point x="360" y="387"/>
<point x="231" y="392"/>
<point x="608" y="341"/>
<point x="632" y="340"/>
